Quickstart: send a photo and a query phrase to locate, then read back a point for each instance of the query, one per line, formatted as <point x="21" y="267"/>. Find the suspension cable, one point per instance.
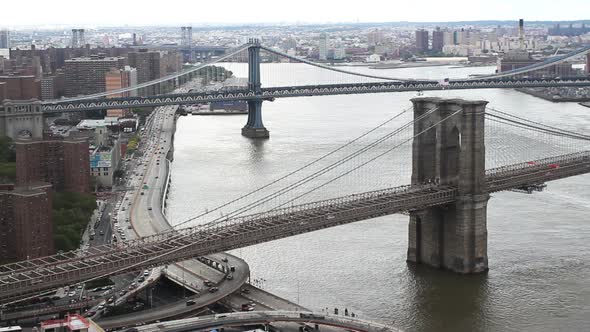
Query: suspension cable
<point x="314" y="175"/>
<point x="373" y="159"/>
<point x="551" y="131"/>
<point x="149" y="83"/>
<point x="297" y="170"/>
<point x="537" y="123"/>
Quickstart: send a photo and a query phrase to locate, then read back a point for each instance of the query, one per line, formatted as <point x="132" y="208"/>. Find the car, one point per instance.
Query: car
<point x="146" y="273"/>
<point x="213" y="289"/>
<point x="190" y="302"/>
<point x="123" y="292"/>
<point x="150" y="208"/>
<point x="73" y="293"/>
<point x="229" y="277"/>
<point x="101" y="233"/>
<point x="141" y="279"/>
<point x="224" y="259"/>
<point x="245" y="291"/>
<point x="129" y="227"/>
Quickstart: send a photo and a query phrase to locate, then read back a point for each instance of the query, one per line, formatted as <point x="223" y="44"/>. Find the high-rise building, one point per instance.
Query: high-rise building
<point x="438" y="40"/>
<point x="121" y="78"/>
<point x="21" y="87"/>
<point x="448" y="38"/>
<point x="375" y="37"/>
<point x="87" y="75"/>
<point x="323" y="47"/>
<point x="588" y="64"/>
<point x="148" y="68"/>
<point x="26" y="223"/>
<point x="118" y="79"/>
<point x="461" y="37"/>
<point x="422" y="41"/>
<point x="4" y="39"/>
<point x="53" y="86"/>
<point x="63" y="162"/>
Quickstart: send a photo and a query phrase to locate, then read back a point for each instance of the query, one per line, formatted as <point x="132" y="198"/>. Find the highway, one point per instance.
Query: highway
<point x="144" y="216"/>
<point x="265" y="317"/>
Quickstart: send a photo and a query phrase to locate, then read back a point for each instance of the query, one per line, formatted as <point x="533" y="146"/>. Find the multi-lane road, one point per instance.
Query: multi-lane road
<point x="141" y="215"/>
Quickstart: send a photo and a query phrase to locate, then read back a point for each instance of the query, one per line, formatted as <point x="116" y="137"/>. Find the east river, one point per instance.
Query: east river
<point x="539" y="245"/>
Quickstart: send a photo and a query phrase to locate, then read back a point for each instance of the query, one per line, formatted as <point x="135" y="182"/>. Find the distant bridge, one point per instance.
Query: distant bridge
<point x="343" y="82"/>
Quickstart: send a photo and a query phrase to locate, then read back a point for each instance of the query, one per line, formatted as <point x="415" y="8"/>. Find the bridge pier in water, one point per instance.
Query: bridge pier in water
<point x="254" y="128"/>
<point x="452" y="152"/>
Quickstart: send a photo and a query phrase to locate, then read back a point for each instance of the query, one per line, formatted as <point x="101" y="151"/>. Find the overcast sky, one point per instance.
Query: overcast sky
<point x="180" y="12"/>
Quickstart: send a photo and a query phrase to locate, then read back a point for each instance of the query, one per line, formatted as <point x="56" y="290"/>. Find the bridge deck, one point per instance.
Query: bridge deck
<point x="270" y="93"/>
<point x="22" y="278"/>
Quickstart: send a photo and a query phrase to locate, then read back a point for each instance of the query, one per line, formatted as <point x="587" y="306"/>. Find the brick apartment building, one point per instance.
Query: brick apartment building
<point x="20" y="87"/>
<point x="85" y="76"/>
<point x="26" y="223"/>
<point x="63" y="162"/>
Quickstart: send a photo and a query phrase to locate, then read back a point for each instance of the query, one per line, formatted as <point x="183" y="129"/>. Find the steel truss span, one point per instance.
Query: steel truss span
<point x="306" y="90"/>
<point x="20" y="279"/>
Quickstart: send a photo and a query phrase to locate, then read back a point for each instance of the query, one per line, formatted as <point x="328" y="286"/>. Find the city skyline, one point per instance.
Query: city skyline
<point x="65" y="12"/>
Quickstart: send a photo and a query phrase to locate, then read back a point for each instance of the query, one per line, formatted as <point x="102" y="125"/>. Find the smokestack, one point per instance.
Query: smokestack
<point x="521" y="33"/>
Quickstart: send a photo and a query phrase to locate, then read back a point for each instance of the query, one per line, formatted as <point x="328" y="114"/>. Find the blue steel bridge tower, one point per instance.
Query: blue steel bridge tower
<point x="254" y="128"/>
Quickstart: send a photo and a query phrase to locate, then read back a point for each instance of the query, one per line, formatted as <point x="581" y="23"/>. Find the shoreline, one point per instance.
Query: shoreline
<point x="581" y="101"/>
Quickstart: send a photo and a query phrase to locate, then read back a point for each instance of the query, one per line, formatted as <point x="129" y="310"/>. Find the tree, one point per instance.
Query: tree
<point x="7" y="149"/>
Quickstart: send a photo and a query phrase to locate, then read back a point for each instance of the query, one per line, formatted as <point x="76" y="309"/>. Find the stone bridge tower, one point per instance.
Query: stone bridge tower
<point x="21" y="119"/>
<point x="454" y="236"/>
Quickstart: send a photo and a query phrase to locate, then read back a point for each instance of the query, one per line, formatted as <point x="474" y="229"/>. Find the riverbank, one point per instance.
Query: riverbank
<point x="219" y="113"/>
<point x="556" y="98"/>
<point x="585" y="104"/>
<point x="417" y="65"/>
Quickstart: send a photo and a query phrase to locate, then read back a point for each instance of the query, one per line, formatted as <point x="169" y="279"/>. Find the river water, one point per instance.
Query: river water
<point x="539" y="245"/>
